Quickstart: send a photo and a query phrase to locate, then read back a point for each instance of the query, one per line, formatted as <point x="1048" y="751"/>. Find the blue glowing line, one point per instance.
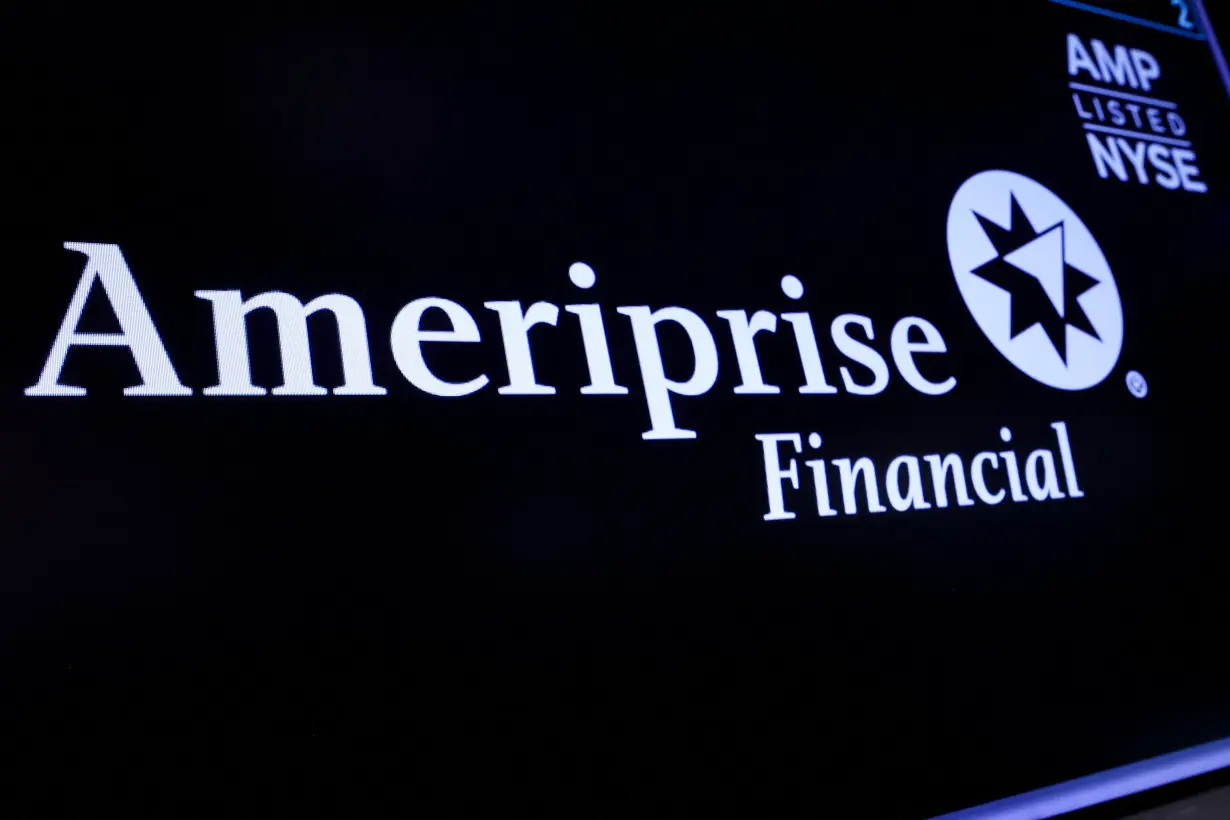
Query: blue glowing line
<point x="1127" y="18"/>
<point x="1112" y="784"/>
<point x="1218" y="56"/>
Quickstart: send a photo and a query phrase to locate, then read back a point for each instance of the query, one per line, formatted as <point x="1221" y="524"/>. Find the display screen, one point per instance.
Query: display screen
<point x="816" y="407"/>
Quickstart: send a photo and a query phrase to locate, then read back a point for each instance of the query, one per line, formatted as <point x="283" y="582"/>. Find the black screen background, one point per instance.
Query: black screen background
<point x="532" y="599"/>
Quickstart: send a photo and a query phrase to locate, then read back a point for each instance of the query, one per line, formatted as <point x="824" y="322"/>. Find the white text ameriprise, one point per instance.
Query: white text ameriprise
<point x="911" y="336"/>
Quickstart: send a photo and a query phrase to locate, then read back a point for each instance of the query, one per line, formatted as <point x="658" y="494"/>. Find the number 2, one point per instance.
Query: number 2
<point x="1183" y="19"/>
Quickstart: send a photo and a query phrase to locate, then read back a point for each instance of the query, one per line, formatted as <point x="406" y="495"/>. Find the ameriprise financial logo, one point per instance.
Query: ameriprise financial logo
<point x="1028" y="269"/>
<point x="1040" y="289"/>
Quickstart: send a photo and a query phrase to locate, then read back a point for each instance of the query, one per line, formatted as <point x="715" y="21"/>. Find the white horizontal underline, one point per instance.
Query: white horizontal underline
<point x="1122" y="132"/>
<point x="1123" y="95"/>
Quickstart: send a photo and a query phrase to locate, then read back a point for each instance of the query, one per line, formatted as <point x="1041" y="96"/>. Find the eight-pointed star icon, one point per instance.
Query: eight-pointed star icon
<point x="1042" y="286"/>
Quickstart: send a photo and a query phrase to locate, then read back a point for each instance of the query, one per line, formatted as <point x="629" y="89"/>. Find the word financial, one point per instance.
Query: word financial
<point x="910" y="337"/>
<point x="904" y="486"/>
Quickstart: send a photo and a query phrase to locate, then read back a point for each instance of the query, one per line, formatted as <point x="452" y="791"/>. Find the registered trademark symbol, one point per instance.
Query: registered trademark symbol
<point x="1136" y="384"/>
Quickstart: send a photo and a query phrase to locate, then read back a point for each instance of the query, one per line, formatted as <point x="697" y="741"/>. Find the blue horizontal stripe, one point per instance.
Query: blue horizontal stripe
<point x="1127" y="18"/>
<point x="1112" y="784"/>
